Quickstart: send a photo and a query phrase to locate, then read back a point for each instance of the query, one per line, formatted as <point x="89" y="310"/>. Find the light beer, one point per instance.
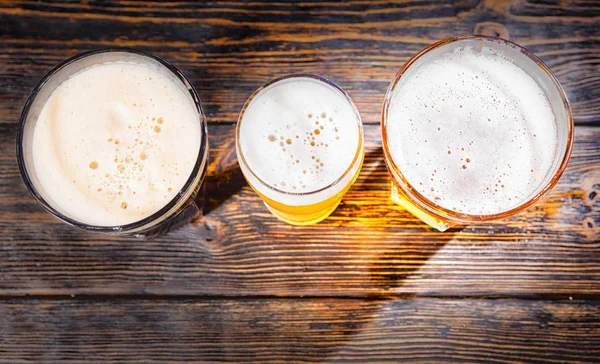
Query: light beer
<point x="114" y="143"/>
<point x="471" y="133"/>
<point x="300" y="147"/>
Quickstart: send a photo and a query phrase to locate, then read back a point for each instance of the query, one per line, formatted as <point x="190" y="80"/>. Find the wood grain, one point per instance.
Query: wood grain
<point x="369" y="284"/>
<point x="368" y="247"/>
<point x="293" y="330"/>
<point x="229" y="48"/>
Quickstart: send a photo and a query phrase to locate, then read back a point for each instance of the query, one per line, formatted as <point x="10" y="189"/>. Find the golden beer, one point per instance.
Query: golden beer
<point x="474" y="128"/>
<point x="300" y="146"/>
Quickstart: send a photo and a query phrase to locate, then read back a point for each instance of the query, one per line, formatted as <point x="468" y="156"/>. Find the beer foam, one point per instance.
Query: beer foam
<point x="300" y="135"/>
<point x="115" y="143"/>
<point x="472" y="132"/>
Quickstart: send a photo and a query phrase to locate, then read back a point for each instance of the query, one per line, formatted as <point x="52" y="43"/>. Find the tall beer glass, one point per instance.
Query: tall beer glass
<point x="299" y="141"/>
<point x="474" y="128"/>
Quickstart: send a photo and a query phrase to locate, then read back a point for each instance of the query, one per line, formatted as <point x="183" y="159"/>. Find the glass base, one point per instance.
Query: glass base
<point x="432" y="221"/>
<point x="303" y="219"/>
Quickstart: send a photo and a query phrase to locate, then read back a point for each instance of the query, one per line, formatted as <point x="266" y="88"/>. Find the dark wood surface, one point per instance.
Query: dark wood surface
<point x="293" y="330"/>
<point x="369" y="284"/>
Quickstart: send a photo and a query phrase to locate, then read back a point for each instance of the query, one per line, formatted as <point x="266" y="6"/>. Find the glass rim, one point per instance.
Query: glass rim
<point x="347" y="97"/>
<point x="419" y="199"/>
<point x="188" y="186"/>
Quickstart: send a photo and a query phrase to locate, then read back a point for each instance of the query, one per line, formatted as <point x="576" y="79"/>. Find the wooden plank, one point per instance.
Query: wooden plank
<point x="368" y="247"/>
<point x="290" y="330"/>
<point x="230" y="48"/>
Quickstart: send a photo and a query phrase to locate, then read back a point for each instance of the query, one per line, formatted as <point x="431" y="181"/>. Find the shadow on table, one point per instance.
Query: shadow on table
<point x="407" y="242"/>
<point x="396" y="247"/>
<point x="220" y="187"/>
<point x="405" y="246"/>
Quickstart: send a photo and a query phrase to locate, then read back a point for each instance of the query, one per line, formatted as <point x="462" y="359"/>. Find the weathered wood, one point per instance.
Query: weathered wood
<point x="369" y="284"/>
<point x="367" y="247"/>
<point x="295" y="330"/>
<point x="230" y="48"/>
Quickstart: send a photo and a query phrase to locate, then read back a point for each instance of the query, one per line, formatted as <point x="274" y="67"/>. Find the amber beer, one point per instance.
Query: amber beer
<point x="300" y="146"/>
<point x="474" y="128"/>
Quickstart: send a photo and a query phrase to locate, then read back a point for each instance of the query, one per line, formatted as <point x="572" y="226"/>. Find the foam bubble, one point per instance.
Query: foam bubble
<point x="475" y="118"/>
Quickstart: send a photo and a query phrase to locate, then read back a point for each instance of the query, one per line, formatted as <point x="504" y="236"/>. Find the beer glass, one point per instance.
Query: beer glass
<point x="474" y="128"/>
<point x="180" y="208"/>
<point x="300" y="146"/>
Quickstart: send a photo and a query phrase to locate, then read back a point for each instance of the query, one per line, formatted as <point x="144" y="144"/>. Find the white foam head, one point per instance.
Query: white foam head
<point x="298" y="136"/>
<point x="115" y="142"/>
<point x="472" y="131"/>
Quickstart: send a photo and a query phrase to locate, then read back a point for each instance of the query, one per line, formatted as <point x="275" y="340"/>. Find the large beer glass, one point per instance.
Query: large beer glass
<point x="299" y="141"/>
<point x="474" y="128"/>
<point x="115" y="141"/>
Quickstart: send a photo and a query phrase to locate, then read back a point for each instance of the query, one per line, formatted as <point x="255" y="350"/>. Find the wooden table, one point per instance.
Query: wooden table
<point x="369" y="284"/>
